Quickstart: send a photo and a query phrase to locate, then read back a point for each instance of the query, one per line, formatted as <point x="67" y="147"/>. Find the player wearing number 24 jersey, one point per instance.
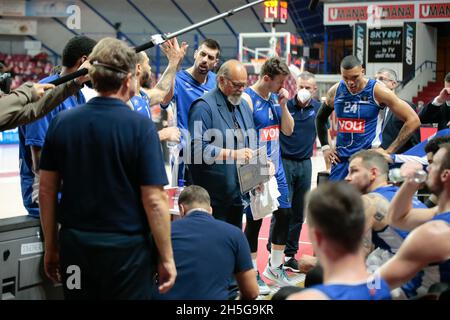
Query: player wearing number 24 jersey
<point x="359" y="105"/>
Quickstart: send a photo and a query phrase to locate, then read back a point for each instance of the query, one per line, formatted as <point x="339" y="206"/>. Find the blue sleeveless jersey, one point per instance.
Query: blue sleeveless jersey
<point x="141" y="104"/>
<point x="359" y="120"/>
<point x="391" y="238"/>
<point x="186" y="90"/>
<point x="363" y="291"/>
<point x="436" y="272"/>
<point x="267" y="119"/>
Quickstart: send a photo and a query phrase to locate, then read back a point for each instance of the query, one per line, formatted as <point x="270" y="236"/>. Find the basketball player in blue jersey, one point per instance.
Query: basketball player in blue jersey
<point x="357" y="102"/>
<point x="368" y="172"/>
<point x="32" y="135"/>
<point x="427" y="248"/>
<point x="337" y="241"/>
<point x="143" y="100"/>
<point x="191" y="84"/>
<point x="268" y="101"/>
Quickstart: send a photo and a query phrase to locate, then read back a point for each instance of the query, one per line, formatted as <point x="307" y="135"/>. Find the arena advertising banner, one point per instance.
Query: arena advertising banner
<point x="385" y="44"/>
<point x="409" y="49"/>
<point x="374" y="13"/>
<point x="359" y="43"/>
<point x="42" y="8"/>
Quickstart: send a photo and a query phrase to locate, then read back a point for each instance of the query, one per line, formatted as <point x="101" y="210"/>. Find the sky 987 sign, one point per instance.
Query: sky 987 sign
<point x="275" y="11"/>
<point x="385" y="44"/>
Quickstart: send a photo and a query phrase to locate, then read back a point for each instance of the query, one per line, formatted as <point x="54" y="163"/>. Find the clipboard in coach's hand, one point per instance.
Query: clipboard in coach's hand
<point x="255" y="172"/>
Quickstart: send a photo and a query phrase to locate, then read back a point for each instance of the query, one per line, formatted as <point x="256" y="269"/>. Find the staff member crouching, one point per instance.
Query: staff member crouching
<point x="110" y="164"/>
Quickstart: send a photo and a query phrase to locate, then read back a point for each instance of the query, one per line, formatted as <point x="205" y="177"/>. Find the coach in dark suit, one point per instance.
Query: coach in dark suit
<point x="222" y="132"/>
<point x="392" y="125"/>
<point x="438" y="110"/>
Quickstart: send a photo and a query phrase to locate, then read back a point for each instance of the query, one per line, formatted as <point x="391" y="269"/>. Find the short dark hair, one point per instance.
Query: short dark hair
<point x="274" y="67"/>
<point x="349" y="62"/>
<point x="434" y="144"/>
<point x="446" y="163"/>
<point x="336" y="209"/>
<point x="77" y="47"/>
<point x="447" y="78"/>
<point x="373" y="158"/>
<point x="194" y="194"/>
<point x="212" y="44"/>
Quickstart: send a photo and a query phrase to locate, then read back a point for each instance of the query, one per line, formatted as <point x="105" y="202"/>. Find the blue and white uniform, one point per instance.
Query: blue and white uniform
<point x="267" y="119"/>
<point x="186" y="90"/>
<point x="417" y="153"/>
<point x="141" y="104"/>
<point x="433" y="273"/>
<point x="391" y="238"/>
<point x="33" y="134"/>
<point x="359" y="124"/>
<point x="363" y="291"/>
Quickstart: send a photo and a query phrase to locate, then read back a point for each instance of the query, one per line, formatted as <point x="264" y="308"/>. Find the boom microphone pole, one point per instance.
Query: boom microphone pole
<point x="158" y="39"/>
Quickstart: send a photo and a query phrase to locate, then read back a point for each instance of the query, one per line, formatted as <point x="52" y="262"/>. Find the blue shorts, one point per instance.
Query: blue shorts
<point x="339" y="171"/>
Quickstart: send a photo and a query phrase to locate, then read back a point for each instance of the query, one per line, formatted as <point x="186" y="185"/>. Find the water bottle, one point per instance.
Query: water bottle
<point x="177" y="193"/>
<point x="395" y="176"/>
<point x="172" y="123"/>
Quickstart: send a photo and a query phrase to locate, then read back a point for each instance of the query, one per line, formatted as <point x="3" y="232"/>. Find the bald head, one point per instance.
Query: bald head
<point x="232" y="68"/>
<point x="232" y="80"/>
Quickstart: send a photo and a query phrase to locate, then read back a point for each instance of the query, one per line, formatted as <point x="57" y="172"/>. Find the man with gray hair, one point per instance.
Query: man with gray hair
<point x="221" y="125"/>
<point x="112" y="199"/>
<point x="392" y="124"/>
<point x="296" y="153"/>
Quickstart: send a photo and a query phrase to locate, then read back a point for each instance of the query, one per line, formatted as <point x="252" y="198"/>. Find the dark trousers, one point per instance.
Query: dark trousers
<point x="110" y="265"/>
<point x="229" y="213"/>
<point x="298" y="177"/>
<point x="233" y="215"/>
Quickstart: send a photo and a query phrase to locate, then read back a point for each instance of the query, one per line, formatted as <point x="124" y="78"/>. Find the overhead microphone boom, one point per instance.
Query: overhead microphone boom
<point x="158" y="39"/>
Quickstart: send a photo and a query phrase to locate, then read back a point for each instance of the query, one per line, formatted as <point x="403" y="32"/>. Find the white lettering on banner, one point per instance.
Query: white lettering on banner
<point x="352" y="125"/>
<point x="435" y="10"/>
<point x="270" y="133"/>
<point x="375" y="13"/>
<point x="409" y="45"/>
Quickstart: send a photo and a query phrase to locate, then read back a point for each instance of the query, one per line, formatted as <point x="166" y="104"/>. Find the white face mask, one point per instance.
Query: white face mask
<point x="303" y="96"/>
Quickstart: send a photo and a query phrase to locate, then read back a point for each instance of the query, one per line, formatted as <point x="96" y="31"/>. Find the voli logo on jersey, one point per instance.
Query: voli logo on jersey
<point x="270" y="133"/>
<point x="352" y="125"/>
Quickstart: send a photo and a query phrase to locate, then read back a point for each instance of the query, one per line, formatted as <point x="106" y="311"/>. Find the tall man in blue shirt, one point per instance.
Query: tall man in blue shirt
<point x="31" y="136"/>
<point x="110" y="162"/>
<point x="296" y="153"/>
<point x="358" y="102"/>
<point x="191" y="84"/>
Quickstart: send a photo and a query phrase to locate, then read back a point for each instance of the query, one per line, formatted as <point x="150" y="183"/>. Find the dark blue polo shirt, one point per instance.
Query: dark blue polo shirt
<point x="300" y="144"/>
<point x="207" y="252"/>
<point x="103" y="152"/>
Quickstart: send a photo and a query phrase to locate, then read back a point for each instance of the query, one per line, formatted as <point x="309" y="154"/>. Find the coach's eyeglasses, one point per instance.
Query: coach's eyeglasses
<point x="237" y="85"/>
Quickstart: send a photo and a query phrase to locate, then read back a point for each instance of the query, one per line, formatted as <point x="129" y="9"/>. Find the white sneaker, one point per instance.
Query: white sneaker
<point x="263" y="287"/>
<point x="278" y="275"/>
